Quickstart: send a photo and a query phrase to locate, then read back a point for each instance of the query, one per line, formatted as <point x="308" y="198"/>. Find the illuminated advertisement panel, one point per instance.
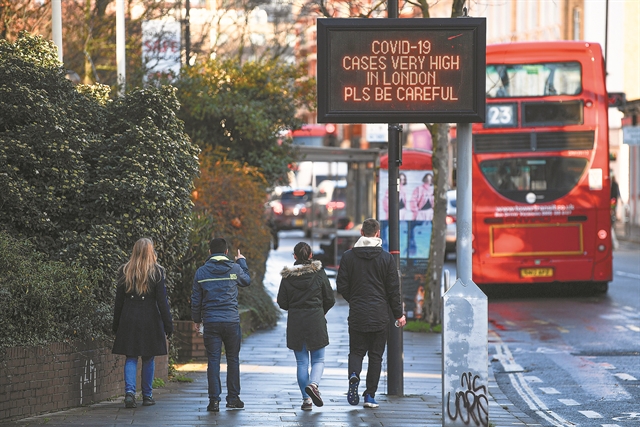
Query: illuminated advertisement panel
<point x="416" y="200"/>
<point x="401" y="70"/>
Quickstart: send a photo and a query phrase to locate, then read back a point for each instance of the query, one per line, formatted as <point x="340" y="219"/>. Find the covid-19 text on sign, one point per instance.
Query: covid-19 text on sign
<point x="401" y="70"/>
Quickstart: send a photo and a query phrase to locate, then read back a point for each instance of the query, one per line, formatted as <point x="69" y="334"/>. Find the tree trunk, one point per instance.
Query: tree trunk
<point x="440" y="159"/>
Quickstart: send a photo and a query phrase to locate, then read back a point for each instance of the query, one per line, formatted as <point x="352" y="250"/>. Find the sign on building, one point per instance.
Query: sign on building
<point x="376" y="132"/>
<point x="401" y="70"/>
<point x="631" y="135"/>
<point x="161" y="48"/>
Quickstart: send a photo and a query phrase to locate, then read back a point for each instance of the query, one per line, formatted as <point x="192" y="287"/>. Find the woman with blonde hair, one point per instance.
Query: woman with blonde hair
<point x="141" y="319"/>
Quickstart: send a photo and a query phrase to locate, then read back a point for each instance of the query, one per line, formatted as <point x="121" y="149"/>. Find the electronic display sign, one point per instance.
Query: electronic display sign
<point x="422" y="70"/>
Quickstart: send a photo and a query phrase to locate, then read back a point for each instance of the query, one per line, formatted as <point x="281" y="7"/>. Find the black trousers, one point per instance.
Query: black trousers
<point x="373" y="343"/>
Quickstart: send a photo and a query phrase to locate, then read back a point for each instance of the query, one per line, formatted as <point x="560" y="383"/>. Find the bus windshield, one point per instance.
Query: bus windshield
<point x="548" y="178"/>
<point x="534" y="80"/>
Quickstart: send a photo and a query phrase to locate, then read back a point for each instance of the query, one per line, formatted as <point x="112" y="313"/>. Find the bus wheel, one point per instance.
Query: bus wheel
<point x="600" y="287"/>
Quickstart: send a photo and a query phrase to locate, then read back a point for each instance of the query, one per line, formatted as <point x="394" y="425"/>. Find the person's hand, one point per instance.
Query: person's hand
<point x="239" y="255"/>
<point x="401" y="321"/>
<point x="196" y="327"/>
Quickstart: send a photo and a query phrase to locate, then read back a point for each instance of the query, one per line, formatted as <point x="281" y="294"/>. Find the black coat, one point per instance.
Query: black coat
<point x="141" y="322"/>
<point x="368" y="281"/>
<point x="306" y="293"/>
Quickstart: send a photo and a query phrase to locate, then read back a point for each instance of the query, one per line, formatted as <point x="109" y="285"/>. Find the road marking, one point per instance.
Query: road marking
<point x="532" y="379"/>
<point x="615" y="316"/>
<point x="526" y="393"/>
<point x="569" y="402"/>
<point x="625" y="274"/>
<point x="506" y="359"/>
<point x="610" y="425"/>
<point x="621" y="328"/>
<point x="625" y="377"/>
<point x="549" y="390"/>
<point x="606" y="365"/>
<point x="547" y="350"/>
<point x="630" y="416"/>
<point x="634" y="328"/>
<point x="538" y="407"/>
<point x="590" y="414"/>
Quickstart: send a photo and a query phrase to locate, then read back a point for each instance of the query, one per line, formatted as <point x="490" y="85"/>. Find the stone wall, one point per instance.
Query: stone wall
<point x="37" y="380"/>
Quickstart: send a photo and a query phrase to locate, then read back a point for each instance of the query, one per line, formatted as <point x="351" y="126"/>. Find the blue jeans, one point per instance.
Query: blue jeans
<point x="229" y="334"/>
<point x="317" y="367"/>
<point x="130" y="373"/>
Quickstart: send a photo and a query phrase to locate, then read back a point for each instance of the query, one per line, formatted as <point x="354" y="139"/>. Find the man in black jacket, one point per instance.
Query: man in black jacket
<point x="368" y="281"/>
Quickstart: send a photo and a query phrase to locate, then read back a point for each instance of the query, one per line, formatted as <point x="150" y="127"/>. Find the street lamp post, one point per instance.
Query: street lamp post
<point x="56" y="25"/>
<point x="120" y="47"/>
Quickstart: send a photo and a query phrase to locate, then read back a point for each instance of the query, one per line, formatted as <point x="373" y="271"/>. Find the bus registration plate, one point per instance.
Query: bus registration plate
<point x="536" y="272"/>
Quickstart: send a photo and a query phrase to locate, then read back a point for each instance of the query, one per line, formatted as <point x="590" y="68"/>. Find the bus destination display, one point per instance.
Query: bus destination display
<point x="401" y="70"/>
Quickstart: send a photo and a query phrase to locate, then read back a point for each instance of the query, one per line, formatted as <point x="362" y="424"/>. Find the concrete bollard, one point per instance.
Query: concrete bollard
<point x="465" y="384"/>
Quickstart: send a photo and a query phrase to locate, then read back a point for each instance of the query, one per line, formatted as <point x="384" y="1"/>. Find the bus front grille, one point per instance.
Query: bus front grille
<point x="533" y="141"/>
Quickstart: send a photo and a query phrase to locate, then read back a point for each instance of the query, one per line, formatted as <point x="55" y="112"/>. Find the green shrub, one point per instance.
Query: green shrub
<point x="45" y="301"/>
<point x="242" y="106"/>
<point x="158" y="383"/>
<point x="182" y="378"/>
<point x="85" y="177"/>
<point x="420" y="326"/>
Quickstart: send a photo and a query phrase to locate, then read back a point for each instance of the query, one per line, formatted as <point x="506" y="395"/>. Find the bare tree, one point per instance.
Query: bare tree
<point x="440" y="136"/>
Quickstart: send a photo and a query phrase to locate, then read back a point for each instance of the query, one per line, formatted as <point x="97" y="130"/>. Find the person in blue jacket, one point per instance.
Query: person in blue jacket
<point x="214" y="303"/>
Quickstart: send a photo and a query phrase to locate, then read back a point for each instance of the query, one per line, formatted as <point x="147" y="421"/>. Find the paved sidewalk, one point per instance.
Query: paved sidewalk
<point x="272" y="397"/>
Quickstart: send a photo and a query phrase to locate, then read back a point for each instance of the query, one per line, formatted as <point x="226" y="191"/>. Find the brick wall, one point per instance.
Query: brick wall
<point x="37" y="380"/>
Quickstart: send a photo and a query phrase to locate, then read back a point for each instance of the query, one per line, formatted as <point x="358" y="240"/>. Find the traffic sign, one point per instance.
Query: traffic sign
<point x="401" y="70"/>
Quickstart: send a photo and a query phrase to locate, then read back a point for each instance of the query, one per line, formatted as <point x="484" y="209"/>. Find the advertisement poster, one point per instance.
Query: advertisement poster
<point x="416" y="199"/>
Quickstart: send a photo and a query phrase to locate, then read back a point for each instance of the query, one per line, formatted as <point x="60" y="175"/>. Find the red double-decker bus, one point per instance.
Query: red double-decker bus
<point x="541" y="183"/>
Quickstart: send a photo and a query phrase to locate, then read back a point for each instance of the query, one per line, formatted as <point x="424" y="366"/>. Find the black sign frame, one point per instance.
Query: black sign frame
<point x="474" y="80"/>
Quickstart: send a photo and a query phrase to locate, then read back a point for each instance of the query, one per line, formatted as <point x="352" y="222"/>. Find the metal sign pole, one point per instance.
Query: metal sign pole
<point x="465" y="376"/>
<point x="463" y="196"/>
<point x="395" y="354"/>
<point x="395" y="344"/>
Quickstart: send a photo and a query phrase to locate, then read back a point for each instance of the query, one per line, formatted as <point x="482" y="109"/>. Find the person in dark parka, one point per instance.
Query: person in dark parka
<point x="141" y="319"/>
<point x="368" y="281"/>
<point x="306" y="293"/>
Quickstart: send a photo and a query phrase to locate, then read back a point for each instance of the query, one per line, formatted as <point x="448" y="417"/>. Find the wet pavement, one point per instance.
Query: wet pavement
<point x="271" y="393"/>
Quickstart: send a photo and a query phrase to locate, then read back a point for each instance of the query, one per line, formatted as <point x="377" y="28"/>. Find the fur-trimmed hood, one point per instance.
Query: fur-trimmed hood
<point x="300" y="269"/>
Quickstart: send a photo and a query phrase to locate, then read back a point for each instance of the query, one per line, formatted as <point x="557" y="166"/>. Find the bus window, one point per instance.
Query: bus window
<point x="550" y="178"/>
<point x="534" y="80"/>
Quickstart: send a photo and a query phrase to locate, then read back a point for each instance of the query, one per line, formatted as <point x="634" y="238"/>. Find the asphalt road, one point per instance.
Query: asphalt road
<point x="568" y="358"/>
<point x="565" y="356"/>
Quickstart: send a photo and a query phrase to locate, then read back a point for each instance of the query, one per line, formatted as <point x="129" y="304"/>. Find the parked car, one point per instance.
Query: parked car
<point x="330" y="204"/>
<point x="450" y="234"/>
<point x="290" y="208"/>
